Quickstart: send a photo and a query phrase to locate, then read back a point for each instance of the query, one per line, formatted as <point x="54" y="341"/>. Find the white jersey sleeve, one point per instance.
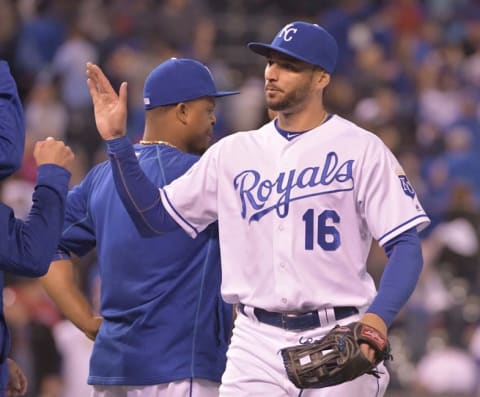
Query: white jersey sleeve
<point x="191" y="200"/>
<point x="385" y="197"/>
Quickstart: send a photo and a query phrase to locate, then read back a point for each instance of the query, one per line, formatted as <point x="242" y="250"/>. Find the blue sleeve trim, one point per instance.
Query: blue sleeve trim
<point x="385" y="236"/>
<point x="400" y="275"/>
<point x="178" y="214"/>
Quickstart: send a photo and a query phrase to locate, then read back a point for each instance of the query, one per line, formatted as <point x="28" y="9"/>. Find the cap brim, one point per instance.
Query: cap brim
<point x="225" y="93"/>
<point x="266" y="50"/>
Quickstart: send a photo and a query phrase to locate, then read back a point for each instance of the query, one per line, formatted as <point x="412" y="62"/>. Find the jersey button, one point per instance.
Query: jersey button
<point x="281" y="228"/>
<point x="282" y="264"/>
<point x="284" y="300"/>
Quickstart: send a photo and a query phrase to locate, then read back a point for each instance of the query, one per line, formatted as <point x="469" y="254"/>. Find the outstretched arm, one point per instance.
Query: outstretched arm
<point x="139" y="195"/>
<point x="26" y="248"/>
<point x="12" y="124"/>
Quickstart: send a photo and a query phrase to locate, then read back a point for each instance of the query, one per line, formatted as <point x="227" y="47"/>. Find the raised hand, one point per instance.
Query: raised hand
<point x="51" y="151"/>
<point x="17" y="381"/>
<point x="110" y="109"/>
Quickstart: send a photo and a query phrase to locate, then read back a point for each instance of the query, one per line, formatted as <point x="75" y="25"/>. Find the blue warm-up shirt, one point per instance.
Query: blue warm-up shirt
<point x="164" y="318"/>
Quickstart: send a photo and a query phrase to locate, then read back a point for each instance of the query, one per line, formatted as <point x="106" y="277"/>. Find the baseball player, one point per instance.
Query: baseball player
<point x="165" y="328"/>
<point x="298" y="202"/>
<point x="26" y="247"/>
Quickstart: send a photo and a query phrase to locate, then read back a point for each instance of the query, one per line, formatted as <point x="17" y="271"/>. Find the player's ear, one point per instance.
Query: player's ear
<point x="181" y="112"/>
<point x="323" y="78"/>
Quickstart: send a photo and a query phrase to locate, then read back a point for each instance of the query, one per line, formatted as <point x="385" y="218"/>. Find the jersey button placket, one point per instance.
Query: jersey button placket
<point x="282" y="258"/>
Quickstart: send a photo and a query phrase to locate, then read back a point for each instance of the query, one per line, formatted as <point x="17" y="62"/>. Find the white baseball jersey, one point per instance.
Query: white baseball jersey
<point x="297" y="217"/>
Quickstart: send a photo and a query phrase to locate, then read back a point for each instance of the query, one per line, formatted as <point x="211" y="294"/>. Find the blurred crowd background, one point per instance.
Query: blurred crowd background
<point x="409" y="71"/>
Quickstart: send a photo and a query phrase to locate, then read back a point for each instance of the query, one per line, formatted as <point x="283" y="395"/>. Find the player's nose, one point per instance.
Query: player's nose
<point x="213" y="119"/>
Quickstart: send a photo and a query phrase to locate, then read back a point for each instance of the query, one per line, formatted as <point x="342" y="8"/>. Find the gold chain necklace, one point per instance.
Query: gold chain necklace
<point x="142" y="142"/>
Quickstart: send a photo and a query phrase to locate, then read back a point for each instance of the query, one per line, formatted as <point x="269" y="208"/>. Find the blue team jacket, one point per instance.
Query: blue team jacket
<point x="164" y="318"/>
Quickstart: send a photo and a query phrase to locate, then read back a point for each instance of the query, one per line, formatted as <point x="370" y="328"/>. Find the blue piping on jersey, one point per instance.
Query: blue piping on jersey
<point x="80" y="221"/>
<point x="177" y="213"/>
<point x="125" y="186"/>
<point x="197" y="311"/>
<point x="87" y="205"/>
<point x="402" y="225"/>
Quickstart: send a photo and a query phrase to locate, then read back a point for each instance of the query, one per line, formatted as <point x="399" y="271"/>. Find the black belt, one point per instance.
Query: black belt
<point x="297" y="321"/>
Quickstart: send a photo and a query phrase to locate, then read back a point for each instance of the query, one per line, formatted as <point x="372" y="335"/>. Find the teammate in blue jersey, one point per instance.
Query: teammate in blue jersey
<point x="165" y="328"/>
<point x="298" y="203"/>
<point x="26" y="247"/>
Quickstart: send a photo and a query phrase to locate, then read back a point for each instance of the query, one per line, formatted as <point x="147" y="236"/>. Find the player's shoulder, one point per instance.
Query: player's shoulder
<point x="350" y="127"/>
<point x="239" y="137"/>
<point x="98" y="170"/>
<point x="354" y="132"/>
<point x="164" y="156"/>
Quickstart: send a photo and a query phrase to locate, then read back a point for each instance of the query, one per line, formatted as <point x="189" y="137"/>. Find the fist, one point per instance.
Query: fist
<point x="51" y="151"/>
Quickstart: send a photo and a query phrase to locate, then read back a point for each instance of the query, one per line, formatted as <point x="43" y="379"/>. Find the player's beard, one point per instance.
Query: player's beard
<point x="198" y="144"/>
<point x="290" y="99"/>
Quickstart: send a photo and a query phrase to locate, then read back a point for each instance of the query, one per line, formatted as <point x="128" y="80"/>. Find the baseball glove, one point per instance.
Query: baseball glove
<point x="336" y="358"/>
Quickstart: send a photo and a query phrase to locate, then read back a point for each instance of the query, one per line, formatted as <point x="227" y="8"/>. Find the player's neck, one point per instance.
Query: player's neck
<point x="301" y="121"/>
<point x="152" y="136"/>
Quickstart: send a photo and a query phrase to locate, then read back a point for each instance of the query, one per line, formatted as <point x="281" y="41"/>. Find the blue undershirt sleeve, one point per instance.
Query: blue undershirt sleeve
<point x="139" y="195"/>
<point x="400" y="275"/>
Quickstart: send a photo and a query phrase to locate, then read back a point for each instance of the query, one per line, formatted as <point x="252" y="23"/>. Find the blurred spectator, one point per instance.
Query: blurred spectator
<point x="40" y="34"/>
<point x="17" y="194"/>
<point x="31" y="315"/>
<point x="8" y="29"/>
<point x="68" y="66"/>
<point x="188" y="26"/>
<point x="45" y="115"/>
<point x="447" y="371"/>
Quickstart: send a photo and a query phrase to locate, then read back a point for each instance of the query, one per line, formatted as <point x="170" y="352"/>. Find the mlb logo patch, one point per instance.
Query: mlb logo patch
<point x="407" y="188"/>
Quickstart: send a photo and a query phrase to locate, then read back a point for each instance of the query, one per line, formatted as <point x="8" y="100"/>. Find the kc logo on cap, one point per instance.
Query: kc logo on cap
<point x="305" y="41"/>
<point x="287" y="32"/>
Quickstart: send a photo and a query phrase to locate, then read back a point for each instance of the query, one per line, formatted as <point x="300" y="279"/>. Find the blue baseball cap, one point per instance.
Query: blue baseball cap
<point x="179" y="80"/>
<point x="307" y="42"/>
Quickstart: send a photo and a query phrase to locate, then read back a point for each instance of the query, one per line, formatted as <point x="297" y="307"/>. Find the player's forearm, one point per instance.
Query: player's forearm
<point x="62" y="288"/>
<point x="28" y="246"/>
<point x="400" y="276"/>
<point x="12" y="124"/>
<point x="139" y="195"/>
